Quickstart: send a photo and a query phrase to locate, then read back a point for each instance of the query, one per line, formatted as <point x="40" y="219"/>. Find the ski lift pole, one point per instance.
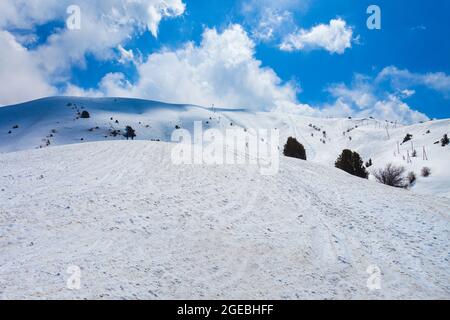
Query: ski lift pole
<point x="425" y="156"/>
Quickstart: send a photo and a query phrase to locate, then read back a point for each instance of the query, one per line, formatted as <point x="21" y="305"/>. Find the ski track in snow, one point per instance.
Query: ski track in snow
<point x="142" y="228"/>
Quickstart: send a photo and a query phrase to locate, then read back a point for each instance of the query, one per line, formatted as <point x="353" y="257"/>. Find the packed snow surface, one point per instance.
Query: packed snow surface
<point x="73" y="195"/>
<point x="140" y="227"/>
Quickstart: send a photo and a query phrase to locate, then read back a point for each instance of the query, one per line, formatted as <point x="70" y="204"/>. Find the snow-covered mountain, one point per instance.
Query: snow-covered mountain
<point x="139" y="226"/>
<point x="55" y="121"/>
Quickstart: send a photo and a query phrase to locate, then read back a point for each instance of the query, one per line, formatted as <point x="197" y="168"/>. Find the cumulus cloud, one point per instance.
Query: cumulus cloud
<point x="394" y="109"/>
<point x="275" y="21"/>
<point x="26" y="14"/>
<point x="252" y="6"/>
<point x="270" y="20"/>
<point x="334" y="37"/>
<point x="137" y="13"/>
<point x="361" y="94"/>
<point x="105" y="26"/>
<point x="363" y="98"/>
<point x="20" y="76"/>
<point x="125" y="55"/>
<point x="406" y="93"/>
<point x="221" y="70"/>
<point x="437" y="81"/>
<point x="271" y="24"/>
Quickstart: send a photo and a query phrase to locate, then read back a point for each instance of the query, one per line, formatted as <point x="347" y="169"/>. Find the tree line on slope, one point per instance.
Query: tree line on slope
<point x="352" y="163"/>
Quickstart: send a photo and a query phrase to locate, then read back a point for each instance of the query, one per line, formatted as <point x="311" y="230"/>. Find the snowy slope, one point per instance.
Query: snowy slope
<point x="55" y="120"/>
<point x="140" y="227"/>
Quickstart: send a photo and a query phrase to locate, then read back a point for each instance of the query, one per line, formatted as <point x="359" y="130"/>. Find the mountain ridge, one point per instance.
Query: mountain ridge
<point x="56" y="121"/>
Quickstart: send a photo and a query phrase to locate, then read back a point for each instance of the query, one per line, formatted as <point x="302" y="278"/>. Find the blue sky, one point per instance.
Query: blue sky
<point x="309" y="64"/>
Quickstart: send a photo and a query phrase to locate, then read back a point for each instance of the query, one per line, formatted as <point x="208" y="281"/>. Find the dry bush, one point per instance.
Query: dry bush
<point x="392" y="176"/>
<point x="426" y="172"/>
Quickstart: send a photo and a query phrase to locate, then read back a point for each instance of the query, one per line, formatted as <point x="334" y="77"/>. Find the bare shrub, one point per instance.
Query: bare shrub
<point x="411" y="178"/>
<point x="391" y="175"/>
<point x="426" y="172"/>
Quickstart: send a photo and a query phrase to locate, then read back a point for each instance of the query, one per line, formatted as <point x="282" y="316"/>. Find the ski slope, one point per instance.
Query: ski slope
<point x="72" y="193"/>
<point x="55" y="121"/>
<point x="140" y="227"/>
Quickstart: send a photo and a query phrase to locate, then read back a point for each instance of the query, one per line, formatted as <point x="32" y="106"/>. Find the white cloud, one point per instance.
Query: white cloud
<point x="141" y="13"/>
<point x="253" y="6"/>
<point x="334" y="37"/>
<point x="360" y="95"/>
<point x="221" y="70"/>
<point x="402" y="79"/>
<point x="28" y="13"/>
<point x="20" y="77"/>
<point x="407" y="93"/>
<point x="364" y="99"/>
<point x="418" y="28"/>
<point x="75" y="91"/>
<point x="105" y="26"/>
<point x="271" y="23"/>
<point x="125" y="55"/>
<point x="394" y="109"/>
<point x="270" y="20"/>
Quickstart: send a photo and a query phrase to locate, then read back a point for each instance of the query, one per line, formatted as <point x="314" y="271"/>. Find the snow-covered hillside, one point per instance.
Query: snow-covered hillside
<point x="140" y="227"/>
<point x="55" y="121"/>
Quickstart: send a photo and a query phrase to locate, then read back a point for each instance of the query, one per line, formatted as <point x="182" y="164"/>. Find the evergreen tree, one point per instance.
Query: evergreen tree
<point x="352" y="163"/>
<point x="85" y="115"/>
<point x="407" y="138"/>
<point x="294" y="149"/>
<point x="445" y="141"/>
<point x="130" y="133"/>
